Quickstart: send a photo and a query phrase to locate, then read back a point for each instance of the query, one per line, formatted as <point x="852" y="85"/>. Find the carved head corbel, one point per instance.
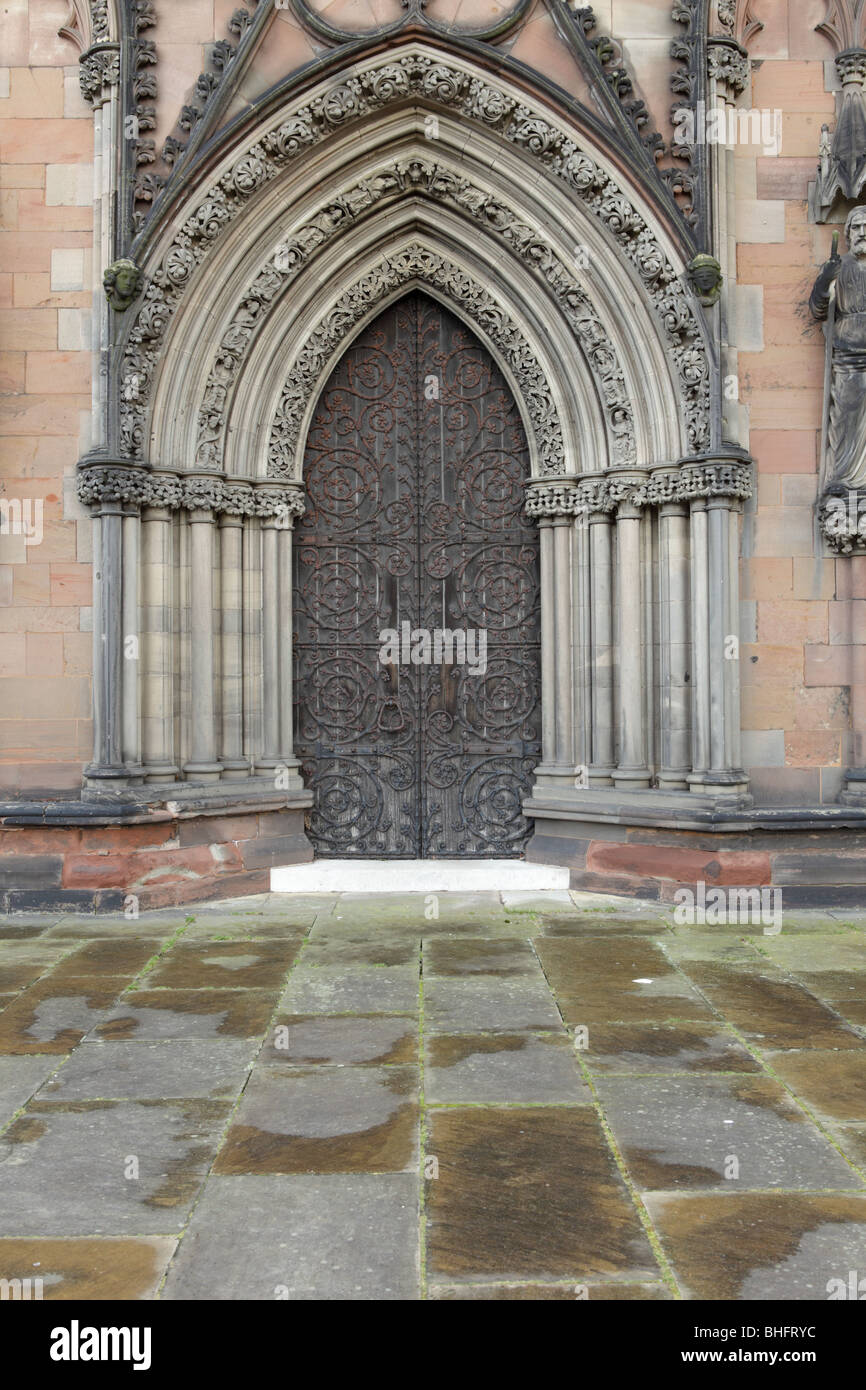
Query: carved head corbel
<point x="121" y="283"/>
<point x="705" y="277"/>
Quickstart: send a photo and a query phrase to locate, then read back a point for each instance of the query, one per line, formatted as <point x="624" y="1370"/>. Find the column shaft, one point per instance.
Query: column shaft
<point x="202" y="764"/>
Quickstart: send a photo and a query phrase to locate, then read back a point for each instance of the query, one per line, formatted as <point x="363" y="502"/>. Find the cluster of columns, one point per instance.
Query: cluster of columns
<point x="192" y="627"/>
<point x="640" y="652"/>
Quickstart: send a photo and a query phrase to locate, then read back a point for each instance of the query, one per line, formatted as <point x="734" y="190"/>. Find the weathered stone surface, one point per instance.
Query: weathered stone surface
<point x="123" y="959"/>
<point x="89" y="1269"/>
<point x="496" y="1213"/>
<point x="726" y="1132"/>
<point x="773" y="1011"/>
<point x="339" y="1236"/>
<point x="832" y="1084"/>
<point x="471" y="956"/>
<point x="318" y="1120"/>
<point x="223" y="965"/>
<point x="341" y="989"/>
<point x="53" y="1018"/>
<point x="760" y="1246"/>
<point x="659" y="1047"/>
<point x="341" y="1040"/>
<point x="626" y="979"/>
<point x="156" y="1014"/>
<point x="173" y="1070"/>
<point x="488" y="1003"/>
<point x="22" y="963"/>
<point x="548" y="1293"/>
<point x="20" y="1077"/>
<point x="493" y="1068"/>
<point x="63" y="1168"/>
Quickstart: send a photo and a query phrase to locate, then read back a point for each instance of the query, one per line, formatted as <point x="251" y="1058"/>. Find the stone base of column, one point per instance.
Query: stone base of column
<point x="161" y="772"/>
<point x="682" y="810"/>
<point x="631" y="778"/>
<point x="236" y="769"/>
<point x="203" y="772"/>
<point x="734" y="782"/>
<point x="96" y="776"/>
<point x="854" y="793"/>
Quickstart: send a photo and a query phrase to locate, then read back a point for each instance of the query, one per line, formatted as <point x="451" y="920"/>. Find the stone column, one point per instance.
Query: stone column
<point x="601" y="647"/>
<point x="553" y="506"/>
<point x="632" y="771"/>
<point x="235" y="764"/>
<point x="564" y="641"/>
<point x="203" y="764"/>
<point x="131" y="666"/>
<point x="157" y="645"/>
<point x="674" y="647"/>
<point x="716" y="487"/>
<point x="107" y="765"/>
<point x="548" y="645"/>
<point x="277" y="506"/>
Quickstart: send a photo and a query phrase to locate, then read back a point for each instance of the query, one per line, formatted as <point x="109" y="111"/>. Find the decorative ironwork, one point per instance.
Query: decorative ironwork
<point x="415" y="466"/>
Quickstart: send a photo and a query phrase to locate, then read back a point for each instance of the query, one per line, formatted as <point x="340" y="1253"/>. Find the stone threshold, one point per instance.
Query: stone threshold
<point x="417" y="876"/>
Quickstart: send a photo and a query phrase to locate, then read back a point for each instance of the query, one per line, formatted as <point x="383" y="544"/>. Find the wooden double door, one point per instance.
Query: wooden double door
<point x="416" y="599"/>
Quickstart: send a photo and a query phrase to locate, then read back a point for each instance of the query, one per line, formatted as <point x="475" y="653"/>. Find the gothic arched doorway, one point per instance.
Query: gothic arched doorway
<point x="416" y="608"/>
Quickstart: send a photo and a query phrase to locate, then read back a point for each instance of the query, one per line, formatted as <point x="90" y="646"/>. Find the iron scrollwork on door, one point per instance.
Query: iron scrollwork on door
<point x="415" y="466"/>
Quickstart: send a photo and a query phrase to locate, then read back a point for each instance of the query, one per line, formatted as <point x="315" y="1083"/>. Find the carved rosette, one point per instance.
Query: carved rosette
<point x="470" y="99"/>
<point x="843" y="522"/>
<point x="111" y="482"/>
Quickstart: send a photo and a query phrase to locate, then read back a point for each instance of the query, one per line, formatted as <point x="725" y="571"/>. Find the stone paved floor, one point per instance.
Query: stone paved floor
<point x="474" y="1096"/>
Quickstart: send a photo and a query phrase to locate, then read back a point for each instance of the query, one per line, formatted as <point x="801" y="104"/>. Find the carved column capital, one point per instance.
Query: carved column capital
<point x="728" y="65"/>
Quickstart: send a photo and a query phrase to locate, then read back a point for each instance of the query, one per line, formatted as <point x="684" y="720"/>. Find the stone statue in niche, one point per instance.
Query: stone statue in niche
<point x="845" y="311"/>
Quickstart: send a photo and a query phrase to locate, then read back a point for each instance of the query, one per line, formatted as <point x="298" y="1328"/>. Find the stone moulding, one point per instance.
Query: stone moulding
<point x="100" y="483"/>
<point x="436" y="182"/>
<point x="478" y="102"/>
<point x="690" y="480"/>
<point x="416" y="263"/>
<point x="842" y="518"/>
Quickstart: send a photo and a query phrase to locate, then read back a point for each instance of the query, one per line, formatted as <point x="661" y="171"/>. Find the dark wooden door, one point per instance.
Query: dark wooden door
<point x="415" y="466"/>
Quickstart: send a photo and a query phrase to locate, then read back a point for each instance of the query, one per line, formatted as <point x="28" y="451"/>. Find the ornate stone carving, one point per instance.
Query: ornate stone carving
<point x="471" y="99"/>
<point x="842" y="156"/>
<point x="98" y="72"/>
<point x="844" y="24"/>
<point x="121" y="283"/>
<point x="839" y="297"/>
<point x="693" y="478"/>
<point x="729" y="65"/>
<point x="437" y="182"/>
<point x="706" y="279"/>
<point x="116" y="481"/>
<point x="735" y="19"/>
<point x="842" y="518"/>
<point x="608" y="56"/>
<point x="416" y="263"/>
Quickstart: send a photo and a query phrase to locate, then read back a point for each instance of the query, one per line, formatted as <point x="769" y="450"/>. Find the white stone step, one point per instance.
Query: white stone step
<point x="417" y="876"/>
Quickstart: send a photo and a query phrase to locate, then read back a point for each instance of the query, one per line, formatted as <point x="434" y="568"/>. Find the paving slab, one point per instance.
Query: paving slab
<point x="63" y="1168"/>
<point x="104" y="928"/>
<point x="529" y="1193"/>
<point x="20" y="1078"/>
<point x="488" y="1003"/>
<point x="336" y="1237"/>
<point x="344" y="989"/>
<point x="23" y="962"/>
<point x="338" y="1040"/>
<point x="469" y="956"/>
<point x="627" y="979"/>
<point x="54" y="1018"/>
<point x="223" y="965"/>
<point x="89" y="1269"/>
<point x="485" y="1068"/>
<point x="156" y="1014"/>
<point x="387" y="949"/>
<point x="324" y="1120"/>
<point x="768" y="1008"/>
<point x="659" y="1047"/>
<point x="832" y="1084"/>
<point x="113" y="958"/>
<point x="760" y="1247"/>
<point x="720" y="1132"/>
<point x="173" y="1070"/>
<point x="548" y="1293"/>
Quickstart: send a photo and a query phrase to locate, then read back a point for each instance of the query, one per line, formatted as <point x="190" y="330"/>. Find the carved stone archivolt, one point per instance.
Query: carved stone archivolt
<point x="436" y="182"/>
<point x="414" y="265"/>
<point x="444" y="85"/>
